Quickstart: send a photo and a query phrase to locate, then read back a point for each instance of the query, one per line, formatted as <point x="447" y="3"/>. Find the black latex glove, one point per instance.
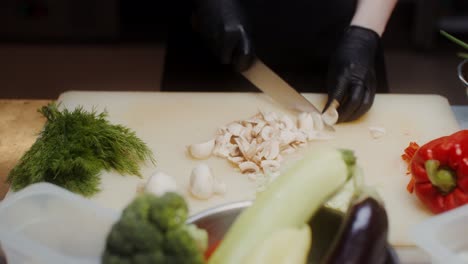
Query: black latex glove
<point x="222" y="26"/>
<point x="351" y="75"/>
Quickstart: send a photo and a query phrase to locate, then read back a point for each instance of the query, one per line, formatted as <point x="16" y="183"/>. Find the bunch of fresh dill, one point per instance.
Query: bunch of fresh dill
<point x="74" y="147"/>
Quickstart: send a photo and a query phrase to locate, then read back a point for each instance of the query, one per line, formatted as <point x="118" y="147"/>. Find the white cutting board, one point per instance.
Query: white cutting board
<point x="169" y="122"/>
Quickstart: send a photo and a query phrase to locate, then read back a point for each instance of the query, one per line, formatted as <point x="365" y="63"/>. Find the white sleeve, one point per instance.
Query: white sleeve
<point x="373" y="14"/>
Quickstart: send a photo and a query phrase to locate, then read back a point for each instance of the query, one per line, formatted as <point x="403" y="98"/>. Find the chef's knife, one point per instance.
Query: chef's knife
<point x="271" y="84"/>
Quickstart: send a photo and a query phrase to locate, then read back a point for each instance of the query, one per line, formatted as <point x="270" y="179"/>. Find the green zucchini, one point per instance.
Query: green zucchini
<point x="289" y="201"/>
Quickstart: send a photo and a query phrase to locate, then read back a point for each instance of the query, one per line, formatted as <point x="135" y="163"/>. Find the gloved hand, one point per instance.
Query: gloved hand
<point x="351" y="74"/>
<point x="222" y="26"/>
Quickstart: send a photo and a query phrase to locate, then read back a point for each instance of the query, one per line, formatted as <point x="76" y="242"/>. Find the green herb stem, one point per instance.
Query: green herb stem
<point x="454" y="39"/>
<point x="462" y="55"/>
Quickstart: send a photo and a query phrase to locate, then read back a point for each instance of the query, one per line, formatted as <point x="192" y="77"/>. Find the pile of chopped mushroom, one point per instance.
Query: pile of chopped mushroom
<point x="257" y="145"/>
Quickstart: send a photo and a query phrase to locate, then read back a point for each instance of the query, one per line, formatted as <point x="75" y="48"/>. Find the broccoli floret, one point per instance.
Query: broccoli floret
<point x="170" y="211"/>
<point x="152" y="230"/>
<point x="182" y="245"/>
<point x="140" y="207"/>
<point x="110" y="258"/>
<point x="117" y="241"/>
<point x="156" y="257"/>
<point x="200" y="236"/>
<point x="131" y="234"/>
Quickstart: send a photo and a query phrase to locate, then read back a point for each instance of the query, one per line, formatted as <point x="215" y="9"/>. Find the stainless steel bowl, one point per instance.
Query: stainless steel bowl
<point x="463" y="73"/>
<point x="216" y="221"/>
<point x="325" y="224"/>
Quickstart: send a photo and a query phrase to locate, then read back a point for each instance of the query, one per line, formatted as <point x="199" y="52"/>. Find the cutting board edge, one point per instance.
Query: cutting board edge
<point x="75" y="91"/>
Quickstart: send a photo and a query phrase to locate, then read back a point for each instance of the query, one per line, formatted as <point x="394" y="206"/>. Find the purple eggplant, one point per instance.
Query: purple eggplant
<point x="362" y="237"/>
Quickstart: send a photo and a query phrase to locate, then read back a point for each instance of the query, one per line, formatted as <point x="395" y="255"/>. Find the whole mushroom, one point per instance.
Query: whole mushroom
<point x="203" y="184"/>
<point x="160" y="183"/>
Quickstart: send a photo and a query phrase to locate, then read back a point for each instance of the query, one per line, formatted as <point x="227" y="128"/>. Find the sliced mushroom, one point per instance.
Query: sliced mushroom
<point x="244" y="146"/>
<point x="377" y="132"/>
<point x="288" y="150"/>
<point x="254" y="119"/>
<point x="252" y="150"/>
<point x="257" y="158"/>
<point x="301" y="137"/>
<point x="201" y="182"/>
<point x="279" y="158"/>
<point x="259" y="140"/>
<point x="305" y="121"/>
<point x="262" y="151"/>
<point x="258" y="128"/>
<point x="223" y="139"/>
<point x="287" y="122"/>
<point x="221" y="130"/>
<point x="236" y="160"/>
<point x="267" y="133"/>
<point x="301" y="144"/>
<point x="256" y="145"/>
<point x="235" y="128"/>
<point x="287" y="136"/>
<point x="202" y="150"/>
<point x="297" y="145"/>
<point x="247" y="133"/>
<point x="276" y="126"/>
<point x="270" y="117"/>
<point x="274" y="175"/>
<point x="249" y="167"/>
<point x="233" y="150"/>
<point x="252" y="176"/>
<point x="271" y="150"/>
<point x="318" y="122"/>
<point x="221" y="148"/>
<point x="330" y="117"/>
<point x="270" y="165"/>
<point x="222" y="152"/>
<point x="261" y="148"/>
<point x="312" y="135"/>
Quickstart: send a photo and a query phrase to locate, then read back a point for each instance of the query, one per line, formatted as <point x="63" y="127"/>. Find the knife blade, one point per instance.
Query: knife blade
<point x="279" y="90"/>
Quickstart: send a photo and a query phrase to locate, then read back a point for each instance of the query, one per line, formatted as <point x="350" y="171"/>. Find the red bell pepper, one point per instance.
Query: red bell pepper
<point x="439" y="171"/>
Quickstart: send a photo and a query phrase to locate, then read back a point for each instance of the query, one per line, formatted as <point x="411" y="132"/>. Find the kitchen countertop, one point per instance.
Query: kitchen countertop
<point x="461" y="114"/>
<point x="19" y="125"/>
<point x="20" y="122"/>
